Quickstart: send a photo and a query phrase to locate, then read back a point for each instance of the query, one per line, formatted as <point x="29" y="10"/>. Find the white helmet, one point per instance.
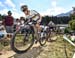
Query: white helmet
<point x="24" y="7"/>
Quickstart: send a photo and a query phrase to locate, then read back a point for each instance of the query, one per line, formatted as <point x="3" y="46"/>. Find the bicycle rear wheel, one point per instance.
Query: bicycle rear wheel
<point x="22" y="41"/>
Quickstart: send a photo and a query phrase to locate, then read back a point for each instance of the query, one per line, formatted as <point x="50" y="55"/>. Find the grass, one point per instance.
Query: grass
<point x="6" y="45"/>
<point x="1" y="46"/>
<point x="58" y="49"/>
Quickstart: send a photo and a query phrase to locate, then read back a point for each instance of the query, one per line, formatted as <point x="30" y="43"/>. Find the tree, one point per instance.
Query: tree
<point x="73" y="16"/>
<point x="0" y="17"/>
<point x="72" y="22"/>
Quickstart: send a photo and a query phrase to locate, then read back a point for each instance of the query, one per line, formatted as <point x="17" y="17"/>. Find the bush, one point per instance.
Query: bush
<point x="67" y="30"/>
<point x="72" y="24"/>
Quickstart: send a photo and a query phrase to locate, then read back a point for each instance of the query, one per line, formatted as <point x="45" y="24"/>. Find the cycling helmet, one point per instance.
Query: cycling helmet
<point x="24" y="7"/>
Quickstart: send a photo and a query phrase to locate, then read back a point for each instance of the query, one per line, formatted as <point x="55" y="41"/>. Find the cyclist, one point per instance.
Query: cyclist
<point x="32" y="16"/>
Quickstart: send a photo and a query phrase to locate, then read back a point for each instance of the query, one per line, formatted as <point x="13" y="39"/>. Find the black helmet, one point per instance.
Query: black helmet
<point x="24" y="7"/>
<point x="9" y="12"/>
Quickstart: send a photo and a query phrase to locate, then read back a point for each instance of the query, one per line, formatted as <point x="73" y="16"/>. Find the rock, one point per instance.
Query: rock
<point x="54" y="38"/>
<point x="73" y="38"/>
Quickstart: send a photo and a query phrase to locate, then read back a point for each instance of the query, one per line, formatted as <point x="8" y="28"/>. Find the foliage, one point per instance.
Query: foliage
<point x="72" y="24"/>
<point x="72" y="16"/>
<point x="67" y="30"/>
<point x="71" y="27"/>
<point x="0" y="17"/>
<point x="1" y="46"/>
<point x="56" y="20"/>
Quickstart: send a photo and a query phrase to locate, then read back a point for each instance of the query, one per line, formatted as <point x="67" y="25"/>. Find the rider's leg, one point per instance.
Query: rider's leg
<point x="38" y="27"/>
<point x="36" y="33"/>
<point x="38" y="30"/>
<point x="35" y="30"/>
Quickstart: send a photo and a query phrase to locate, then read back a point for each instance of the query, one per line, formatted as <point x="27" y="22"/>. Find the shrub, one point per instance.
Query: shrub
<point x="67" y="30"/>
<point x="72" y="24"/>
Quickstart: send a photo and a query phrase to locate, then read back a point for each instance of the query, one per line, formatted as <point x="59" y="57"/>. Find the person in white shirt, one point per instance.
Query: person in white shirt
<point x="17" y="24"/>
<point x="22" y="21"/>
<point x="3" y="32"/>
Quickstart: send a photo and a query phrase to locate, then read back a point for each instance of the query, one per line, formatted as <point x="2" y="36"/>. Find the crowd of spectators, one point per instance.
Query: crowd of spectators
<point x="10" y="25"/>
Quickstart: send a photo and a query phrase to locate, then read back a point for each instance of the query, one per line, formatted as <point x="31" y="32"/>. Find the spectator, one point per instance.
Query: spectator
<point x="22" y="21"/>
<point x="17" y="24"/>
<point x="8" y="22"/>
<point x="2" y="30"/>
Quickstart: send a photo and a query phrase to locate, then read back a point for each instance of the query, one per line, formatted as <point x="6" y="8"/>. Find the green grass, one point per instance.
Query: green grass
<point x="1" y="46"/>
<point x="19" y="38"/>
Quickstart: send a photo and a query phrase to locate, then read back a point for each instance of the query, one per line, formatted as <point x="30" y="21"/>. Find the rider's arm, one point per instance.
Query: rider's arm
<point x="40" y="18"/>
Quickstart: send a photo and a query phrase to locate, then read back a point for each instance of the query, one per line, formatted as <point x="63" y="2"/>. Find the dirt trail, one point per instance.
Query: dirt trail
<point x="7" y="54"/>
<point x="54" y="49"/>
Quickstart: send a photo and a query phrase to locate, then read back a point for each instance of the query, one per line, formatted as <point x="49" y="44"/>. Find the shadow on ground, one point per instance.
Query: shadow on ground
<point x="32" y="53"/>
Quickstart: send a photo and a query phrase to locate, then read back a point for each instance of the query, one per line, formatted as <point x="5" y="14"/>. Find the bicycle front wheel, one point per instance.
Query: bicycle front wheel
<point x="22" y="41"/>
<point x="43" y="38"/>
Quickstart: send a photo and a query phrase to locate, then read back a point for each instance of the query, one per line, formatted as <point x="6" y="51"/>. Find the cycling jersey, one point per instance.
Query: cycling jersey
<point x="33" y="15"/>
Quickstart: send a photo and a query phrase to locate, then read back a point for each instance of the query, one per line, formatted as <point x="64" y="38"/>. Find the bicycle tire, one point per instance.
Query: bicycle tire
<point x="43" y="39"/>
<point x="20" y="51"/>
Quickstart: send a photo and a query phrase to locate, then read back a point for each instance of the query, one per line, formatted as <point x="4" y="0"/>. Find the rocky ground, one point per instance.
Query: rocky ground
<point x="55" y="49"/>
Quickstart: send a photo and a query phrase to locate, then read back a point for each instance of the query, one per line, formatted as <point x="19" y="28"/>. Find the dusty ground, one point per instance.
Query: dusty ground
<point x="56" y="49"/>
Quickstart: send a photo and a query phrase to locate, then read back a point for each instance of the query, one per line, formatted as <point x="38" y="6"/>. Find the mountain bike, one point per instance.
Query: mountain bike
<point x="24" y="38"/>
